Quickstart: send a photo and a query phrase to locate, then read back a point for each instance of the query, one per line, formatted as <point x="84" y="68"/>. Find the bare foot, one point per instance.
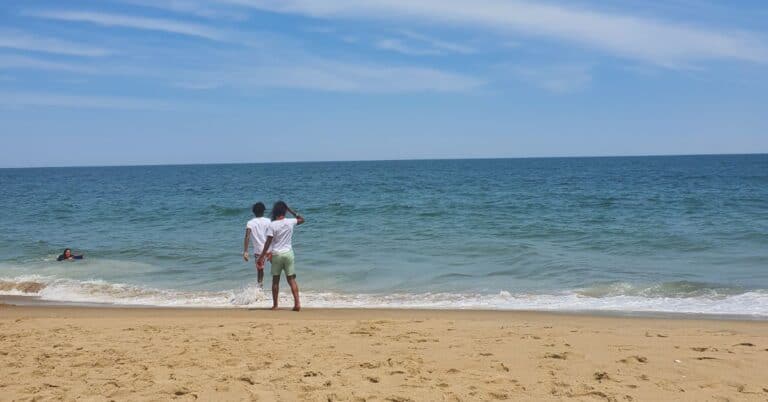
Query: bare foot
<point x="274" y="308"/>
<point x="297" y="308"/>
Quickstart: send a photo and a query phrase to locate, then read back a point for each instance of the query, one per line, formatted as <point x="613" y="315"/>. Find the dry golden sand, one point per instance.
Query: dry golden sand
<point x="374" y="355"/>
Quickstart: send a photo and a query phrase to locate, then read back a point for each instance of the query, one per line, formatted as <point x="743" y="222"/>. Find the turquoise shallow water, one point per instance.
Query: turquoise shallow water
<point x="683" y="234"/>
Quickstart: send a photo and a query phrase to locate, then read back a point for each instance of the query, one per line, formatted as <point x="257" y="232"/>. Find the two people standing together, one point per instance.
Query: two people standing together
<point x="272" y="239"/>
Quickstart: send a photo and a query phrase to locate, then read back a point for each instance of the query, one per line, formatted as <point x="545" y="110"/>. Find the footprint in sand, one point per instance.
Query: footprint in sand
<point x="498" y="395"/>
<point x="398" y="399"/>
<point x="361" y="332"/>
<point x="634" y="358"/>
<point x="181" y="391"/>
<point x="369" y="365"/>
<point x="601" y="375"/>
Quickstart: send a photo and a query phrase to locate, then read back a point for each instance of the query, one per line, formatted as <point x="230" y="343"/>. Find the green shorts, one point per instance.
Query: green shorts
<point x="283" y="262"/>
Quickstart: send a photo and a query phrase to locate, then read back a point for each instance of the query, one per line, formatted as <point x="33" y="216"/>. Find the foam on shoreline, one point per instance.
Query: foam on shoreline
<point x="99" y="292"/>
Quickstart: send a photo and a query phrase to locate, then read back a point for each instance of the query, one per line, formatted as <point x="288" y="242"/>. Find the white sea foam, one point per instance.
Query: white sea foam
<point x="754" y="303"/>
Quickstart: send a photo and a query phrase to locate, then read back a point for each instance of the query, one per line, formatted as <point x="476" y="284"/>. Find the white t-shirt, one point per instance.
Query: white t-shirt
<point x="258" y="228"/>
<point x="282" y="233"/>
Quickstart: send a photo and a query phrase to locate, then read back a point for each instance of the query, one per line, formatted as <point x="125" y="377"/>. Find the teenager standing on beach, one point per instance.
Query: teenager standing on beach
<point x="280" y="237"/>
<point x="256" y="231"/>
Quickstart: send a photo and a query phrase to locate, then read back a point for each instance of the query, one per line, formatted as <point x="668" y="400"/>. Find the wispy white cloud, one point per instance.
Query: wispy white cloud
<point x="333" y="76"/>
<point x="13" y="62"/>
<point x="287" y="71"/>
<point x="439" y="44"/>
<point x="398" y="45"/>
<point x="279" y="64"/>
<point x="415" y="44"/>
<point x="204" y="9"/>
<point x="31" y="63"/>
<point x="650" y="40"/>
<point x="557" y="78"/>
<point x="128" y="21"/>
<point x="37" y="99"/>
<point x="24" y="41"/>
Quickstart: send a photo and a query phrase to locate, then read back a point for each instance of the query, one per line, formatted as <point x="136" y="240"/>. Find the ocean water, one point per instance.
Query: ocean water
<point x="685" y="234"/>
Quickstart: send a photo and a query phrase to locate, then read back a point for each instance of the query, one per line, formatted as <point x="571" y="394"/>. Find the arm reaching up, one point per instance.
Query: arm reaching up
<point x="299" y="218"/>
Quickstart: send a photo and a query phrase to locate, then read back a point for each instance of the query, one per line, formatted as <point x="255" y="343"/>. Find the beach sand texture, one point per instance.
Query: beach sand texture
<point x="51" y="353"/>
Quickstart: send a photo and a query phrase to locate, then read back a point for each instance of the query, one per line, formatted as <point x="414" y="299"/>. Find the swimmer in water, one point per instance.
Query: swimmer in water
<point x="68" y="256"/>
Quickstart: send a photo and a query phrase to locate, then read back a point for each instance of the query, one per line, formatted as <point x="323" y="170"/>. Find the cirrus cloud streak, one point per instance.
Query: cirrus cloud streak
<point x="655" y="41"/>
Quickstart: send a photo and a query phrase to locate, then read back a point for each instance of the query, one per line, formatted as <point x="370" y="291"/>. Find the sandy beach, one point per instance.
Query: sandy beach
<point x="374" y="355"/>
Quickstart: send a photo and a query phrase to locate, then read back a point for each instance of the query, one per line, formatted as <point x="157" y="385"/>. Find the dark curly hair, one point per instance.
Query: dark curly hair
<point x="279" y="209"/>
<point x="258" y="209"/>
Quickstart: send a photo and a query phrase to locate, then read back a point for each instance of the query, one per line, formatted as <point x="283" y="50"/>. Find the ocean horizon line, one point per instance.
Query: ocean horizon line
<point x="383" y="160"/>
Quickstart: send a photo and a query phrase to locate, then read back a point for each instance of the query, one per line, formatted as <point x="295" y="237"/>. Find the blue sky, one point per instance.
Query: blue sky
<point x="114" y="82"/>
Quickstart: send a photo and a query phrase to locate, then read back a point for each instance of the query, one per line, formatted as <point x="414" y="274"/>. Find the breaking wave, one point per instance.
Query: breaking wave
<point x="686" y="298"/>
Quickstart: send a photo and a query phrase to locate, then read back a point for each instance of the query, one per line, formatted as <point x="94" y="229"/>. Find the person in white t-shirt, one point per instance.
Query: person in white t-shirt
<point x="279" y="238"/>
<point x="256" y="232"/>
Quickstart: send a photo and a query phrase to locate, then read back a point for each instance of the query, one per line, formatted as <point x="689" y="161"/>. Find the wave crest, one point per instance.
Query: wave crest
<point x="753" y="303"/>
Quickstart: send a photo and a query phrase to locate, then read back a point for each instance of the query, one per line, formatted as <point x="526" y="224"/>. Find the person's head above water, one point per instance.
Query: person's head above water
<point x="67" y="255"/>
<point x="258" y="209"/>
<point x="279" y="209"/>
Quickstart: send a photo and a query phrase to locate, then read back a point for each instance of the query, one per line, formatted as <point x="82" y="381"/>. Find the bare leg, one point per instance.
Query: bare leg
<point x="295" y="290"/>
<point x="275" y="290"/>
<point x="261" y="277"/>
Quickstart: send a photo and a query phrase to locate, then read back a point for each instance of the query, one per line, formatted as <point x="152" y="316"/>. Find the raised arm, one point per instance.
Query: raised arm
<point x="299" y="218"/>
<point x="245" y="243"/>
